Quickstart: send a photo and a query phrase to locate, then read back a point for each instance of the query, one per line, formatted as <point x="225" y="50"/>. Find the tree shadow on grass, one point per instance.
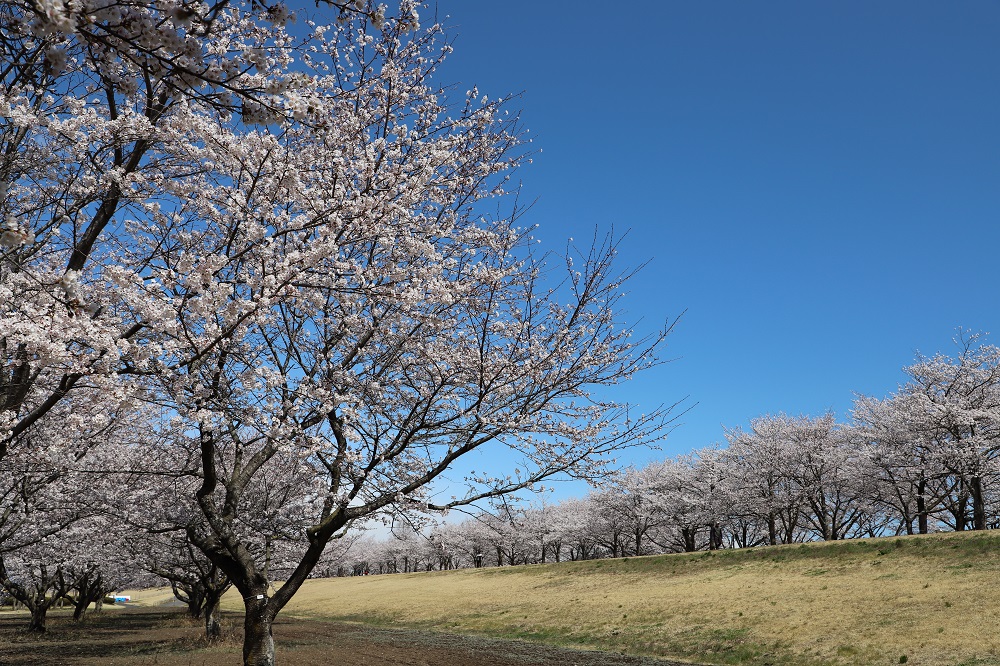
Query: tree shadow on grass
<point x="167" y="637"/>
<point x="112" y="634"/>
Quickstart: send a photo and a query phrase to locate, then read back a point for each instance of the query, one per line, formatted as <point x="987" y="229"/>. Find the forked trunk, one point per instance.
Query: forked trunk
<point x="191" y="594"/>
<point x="689" y="536"/>
<point x="258" y="643"/>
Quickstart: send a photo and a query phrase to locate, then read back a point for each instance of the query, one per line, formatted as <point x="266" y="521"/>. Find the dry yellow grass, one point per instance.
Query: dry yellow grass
<point x="932" y="599"/>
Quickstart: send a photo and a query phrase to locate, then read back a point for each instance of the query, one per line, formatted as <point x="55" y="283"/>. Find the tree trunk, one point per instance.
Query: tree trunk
<point x="978" y="504"/>
<point x="258" y="643"/>
<point x="714" y="536"/>
<point x="213" y="629"/>
<point x="37" y="623"/>
<point x="772" y="530"/>
<point x="81" y="607"/>
<point x="689" y="535"/>
<point x="921" y="508"/>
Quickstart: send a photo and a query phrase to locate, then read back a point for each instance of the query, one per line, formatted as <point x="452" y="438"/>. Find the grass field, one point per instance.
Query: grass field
<point x="925" y="601"/>
<point x="137" y="636"/>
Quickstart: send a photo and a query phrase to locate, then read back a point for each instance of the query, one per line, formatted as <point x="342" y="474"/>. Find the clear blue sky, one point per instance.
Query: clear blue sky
<point x="817" y="184"/>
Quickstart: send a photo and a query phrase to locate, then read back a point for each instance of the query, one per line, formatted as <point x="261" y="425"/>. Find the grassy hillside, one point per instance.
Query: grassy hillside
<point x="928" y="601"/>
<point x="156" y="596"/>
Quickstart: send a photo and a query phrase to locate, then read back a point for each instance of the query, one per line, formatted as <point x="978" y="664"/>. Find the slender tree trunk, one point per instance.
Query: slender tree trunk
<point x="772" y="530"/>
<point x="978" y="503"/>
<point x="213" y="629"/>
<point x="789" y="521"/>
<point x="921" y="508"/>
<point x="960" y="513"/>
<point x="960" y="507"/>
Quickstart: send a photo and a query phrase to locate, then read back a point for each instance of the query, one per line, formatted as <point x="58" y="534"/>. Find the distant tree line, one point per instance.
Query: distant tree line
<point x="924" y="459"/>
<point x="920" y="460"/>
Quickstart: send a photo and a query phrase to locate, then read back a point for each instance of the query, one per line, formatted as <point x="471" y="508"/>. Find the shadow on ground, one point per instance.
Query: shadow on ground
<point x="166" y="637"/>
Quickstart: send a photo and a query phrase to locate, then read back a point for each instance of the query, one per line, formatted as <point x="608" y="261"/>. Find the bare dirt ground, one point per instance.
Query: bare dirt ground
<point x="166" y="637"/>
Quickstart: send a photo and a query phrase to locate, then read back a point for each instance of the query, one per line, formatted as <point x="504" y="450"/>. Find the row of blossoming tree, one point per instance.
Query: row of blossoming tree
<point x="926" y="458"/>
<point x="262" y="279"/>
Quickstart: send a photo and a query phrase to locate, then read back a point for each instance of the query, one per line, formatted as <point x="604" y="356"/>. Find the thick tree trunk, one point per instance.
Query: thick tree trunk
<point x="36" y="625"/>
<point x="258" y="643"/>
<point x="191" y="594"/>
<point x="81" y="607"/>
<point x="772" y="530"/>
<point x="689" y="539"/>
<point x="714" y="537"/>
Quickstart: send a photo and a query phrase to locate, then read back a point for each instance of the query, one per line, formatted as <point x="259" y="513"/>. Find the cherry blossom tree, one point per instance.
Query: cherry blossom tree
<point x="548" y="528"/>
<point x="902" y="447"/>
<point x="83" y="558"/>
<point x="471" y="539"/>
<point x="577" y="527"/>
<point x="959" y="398"/>
<point x="36" y="577"/>
<point x="97" y="558"/>
<point x="681" y="498"/>
<point x="195" y="580"/>
<point x="631" y="504"/>
<point x="717" y="493"/>
<point x="836" y="479"/>
<point x="337" y="295"/>
<point x="764" y="474"/>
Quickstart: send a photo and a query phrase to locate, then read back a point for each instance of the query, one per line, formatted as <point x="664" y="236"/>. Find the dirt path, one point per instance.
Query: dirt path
<point x="165" y="637"/>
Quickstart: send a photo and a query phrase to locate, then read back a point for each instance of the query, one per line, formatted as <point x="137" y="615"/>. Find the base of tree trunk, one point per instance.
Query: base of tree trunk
<point x="213" y="629"/>
<point x="37" y="624"/>
<point x="258" y="643"/>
